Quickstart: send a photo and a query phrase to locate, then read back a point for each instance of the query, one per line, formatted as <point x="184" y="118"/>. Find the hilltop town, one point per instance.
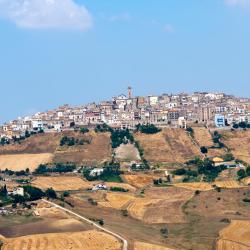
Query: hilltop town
<point x="126" y="111"/>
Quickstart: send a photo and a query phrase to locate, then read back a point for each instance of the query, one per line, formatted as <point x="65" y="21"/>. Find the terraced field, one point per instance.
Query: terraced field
<point x="168" y="146"/>
<point x="88" y="240"/>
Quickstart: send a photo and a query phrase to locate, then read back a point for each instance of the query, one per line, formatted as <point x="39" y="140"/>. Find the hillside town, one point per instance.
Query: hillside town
<point x="126" y="111"/>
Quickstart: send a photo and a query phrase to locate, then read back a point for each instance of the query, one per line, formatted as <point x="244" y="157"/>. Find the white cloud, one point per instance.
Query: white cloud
<point x="168" y="28"/>
<point x="239" y="3"/>
<point x="46" y="14"/>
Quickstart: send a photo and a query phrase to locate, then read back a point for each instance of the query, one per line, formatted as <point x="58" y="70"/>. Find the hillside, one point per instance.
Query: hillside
<point x="238" y="142"/>
<point x="45" y="148"/>
<point x="168" y="146"/>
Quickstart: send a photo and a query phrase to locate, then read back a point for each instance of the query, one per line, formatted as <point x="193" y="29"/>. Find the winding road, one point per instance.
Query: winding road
<point x="125" y="242"/>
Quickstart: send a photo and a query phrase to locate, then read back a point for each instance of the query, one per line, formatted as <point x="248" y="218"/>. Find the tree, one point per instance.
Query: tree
<point x="248" y="170"/>
<point x="3" y="191"/>
<point x="235" y="126"/>
<point x="66" y="194"/>
<point x="72" y="124"/>
<point x="241" y="173"/>
<point x="50" y="193"/>
<point x="204" y="150"/>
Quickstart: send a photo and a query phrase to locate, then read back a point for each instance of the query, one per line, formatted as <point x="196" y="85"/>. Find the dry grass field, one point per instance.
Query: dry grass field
<point x="236" y="236"/>
<point x="203" y="137"/>
<point x="146" y="246"/>
<point x="238" y="142"/>
<point x="61" y="183"/>
<point x="202" y="186"/>
<point x="246" y="180"/>
<point x="228" y="184"/>
<point x="98" y="151"/>
<point x="88" y="240"/>
<point x="127" y="153"/>
<point x="117" y="201"/>
<point x="41" y="143"/>
<point x="18" y="162"/>
<point x="168" y="146"/>
<point x="139" y="181"/>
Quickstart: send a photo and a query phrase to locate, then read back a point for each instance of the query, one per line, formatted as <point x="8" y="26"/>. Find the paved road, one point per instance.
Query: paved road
<point x="125" y="242"/>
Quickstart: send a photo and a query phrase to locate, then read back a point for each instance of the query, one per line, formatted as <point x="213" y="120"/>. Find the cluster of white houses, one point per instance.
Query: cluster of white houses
<point x="125" y="111"/>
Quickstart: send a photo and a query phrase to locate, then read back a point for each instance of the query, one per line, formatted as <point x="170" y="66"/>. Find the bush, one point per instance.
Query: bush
<point x="246" y="200"/>
<point x="180" y="171"/>
<point x="66" y="194"/>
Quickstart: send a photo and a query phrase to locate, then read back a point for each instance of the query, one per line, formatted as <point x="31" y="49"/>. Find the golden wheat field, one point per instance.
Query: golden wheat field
<point x="17" y="162"/>
<point x="87" y="240"/>
<point x="146" y="246"/>
<point x="139" y="181"/>
<point x="236" y="236"/>
<point x="61" y="183"/>
<point x="168" y="146"/>
<point x="203" y="137"/>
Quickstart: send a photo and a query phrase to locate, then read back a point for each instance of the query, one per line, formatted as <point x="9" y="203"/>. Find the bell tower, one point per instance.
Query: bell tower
<point x="129" y="92"/>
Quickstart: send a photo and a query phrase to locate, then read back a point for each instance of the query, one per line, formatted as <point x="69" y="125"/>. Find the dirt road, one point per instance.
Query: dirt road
<point x="125" y="242"/>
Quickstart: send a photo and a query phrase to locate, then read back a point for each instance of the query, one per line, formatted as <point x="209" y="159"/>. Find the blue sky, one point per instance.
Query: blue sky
<point x="63" y="51"/>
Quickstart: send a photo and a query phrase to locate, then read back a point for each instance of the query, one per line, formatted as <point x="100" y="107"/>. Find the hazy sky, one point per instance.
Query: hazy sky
<point x="63" y="51"/>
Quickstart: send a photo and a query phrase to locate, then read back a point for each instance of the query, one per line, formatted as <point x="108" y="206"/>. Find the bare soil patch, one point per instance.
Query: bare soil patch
<point x="127" y="153"/>
<point x="140" y="180"/>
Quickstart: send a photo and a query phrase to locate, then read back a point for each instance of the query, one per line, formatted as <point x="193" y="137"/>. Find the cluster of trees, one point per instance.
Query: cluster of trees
<point x="111" y="172"/>
<point x="56" y="168"/>
<point x="121" y="136"/>
<point x="216" y="139"/>
<point x="118" y="189"/>
<point x="71" y="141"/>
<point x="190" y="131"/>
<point x="147" y="129"/>
<point x="207" y="169"/>
<point x="242" y="173"/>
<point x="243" y="125"/>
<point x="101" y="128"/>
<point x="17" y="173"/>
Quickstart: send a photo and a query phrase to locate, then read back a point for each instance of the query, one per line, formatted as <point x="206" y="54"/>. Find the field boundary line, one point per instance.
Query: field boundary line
<point x="125" y="242"/>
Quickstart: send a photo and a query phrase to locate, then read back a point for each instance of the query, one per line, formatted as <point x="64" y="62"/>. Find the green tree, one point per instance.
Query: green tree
<point x="241" y="173"/>
<point x="50" y="193"/>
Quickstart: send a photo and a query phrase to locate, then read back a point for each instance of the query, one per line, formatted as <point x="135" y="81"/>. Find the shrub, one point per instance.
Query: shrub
<point x="204" y="150"/>
<point x="147" y="129"/>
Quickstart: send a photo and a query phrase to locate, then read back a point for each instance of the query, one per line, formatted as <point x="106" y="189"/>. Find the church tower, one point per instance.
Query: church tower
<point x="129" y="92"/>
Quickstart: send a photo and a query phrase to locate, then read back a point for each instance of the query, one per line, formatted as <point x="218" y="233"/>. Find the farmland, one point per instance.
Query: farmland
<point x="235" y="236"/>
<point x="17" y="162"/>
<point x="140" y="180"/>
<point x="88" y="240"/>
<point x="61" y="183"/>
<point x="146" y="246"/>
<point x="168" y="146"/>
